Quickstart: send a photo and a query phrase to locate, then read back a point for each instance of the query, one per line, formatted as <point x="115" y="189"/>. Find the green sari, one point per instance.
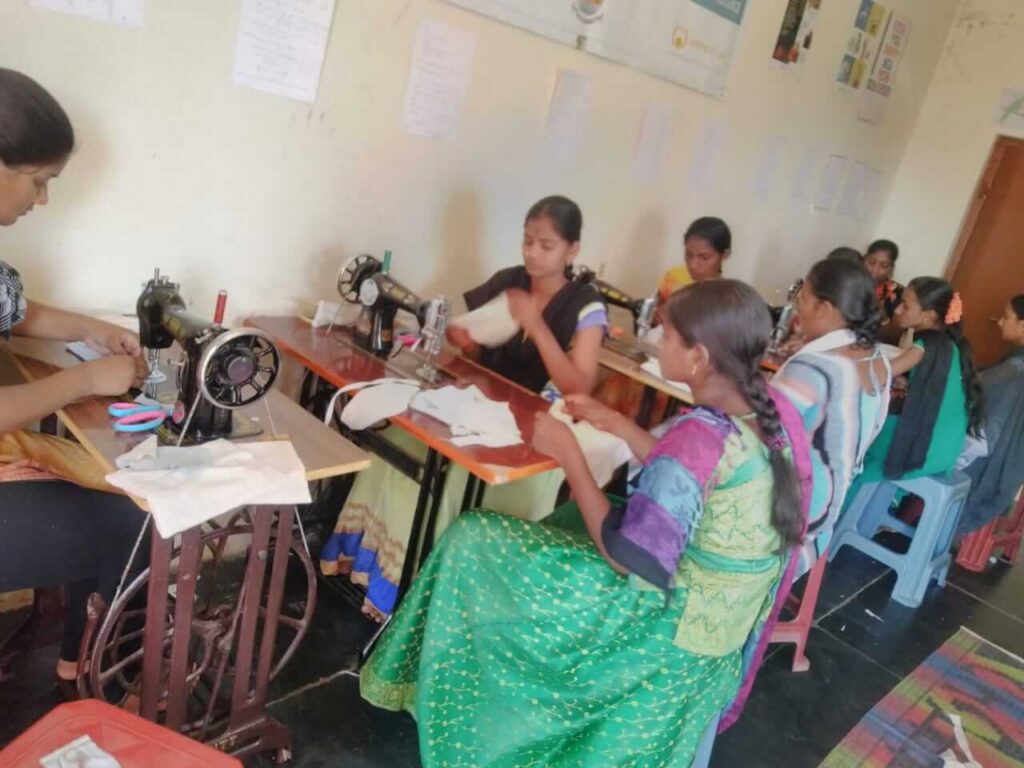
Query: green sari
<point x="519" y="645"/>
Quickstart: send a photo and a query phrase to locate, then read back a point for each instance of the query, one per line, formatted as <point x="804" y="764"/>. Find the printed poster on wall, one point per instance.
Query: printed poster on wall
<point x="689" y="42"/>
<point x="883" y="74"/>
<point x="862" y="44"/>
<point x="797" y="32"/>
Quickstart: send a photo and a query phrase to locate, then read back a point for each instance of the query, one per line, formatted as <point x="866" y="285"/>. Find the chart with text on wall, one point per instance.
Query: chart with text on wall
<point x="689" y="42"/>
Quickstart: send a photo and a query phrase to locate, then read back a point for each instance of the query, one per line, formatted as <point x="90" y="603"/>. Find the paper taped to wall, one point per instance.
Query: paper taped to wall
<point x="281" y="46"/>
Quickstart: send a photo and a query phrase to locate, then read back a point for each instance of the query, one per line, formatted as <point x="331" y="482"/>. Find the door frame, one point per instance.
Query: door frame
<point x="978" y="199"/>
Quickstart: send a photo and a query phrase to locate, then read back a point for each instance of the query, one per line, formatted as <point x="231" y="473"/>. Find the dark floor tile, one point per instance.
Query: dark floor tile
<point x="337" y="632"/>
<point x="845" y="576"/>
<point x="29" y="695"/>
<point x="900" y="638"/>
<point x="794" y="720"/>
<point x="1001" y="585"/>
<point x="332" y="726"/>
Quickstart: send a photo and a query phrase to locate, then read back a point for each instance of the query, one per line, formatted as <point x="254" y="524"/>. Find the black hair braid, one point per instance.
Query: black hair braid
<point x="786" y="506"/>
<point x="866" y="327"/>
<point x="971" y="382"/>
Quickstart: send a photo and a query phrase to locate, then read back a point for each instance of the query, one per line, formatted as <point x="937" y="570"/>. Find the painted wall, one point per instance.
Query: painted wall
<point x="954" y="133"/>
<point x="222" y="186"/>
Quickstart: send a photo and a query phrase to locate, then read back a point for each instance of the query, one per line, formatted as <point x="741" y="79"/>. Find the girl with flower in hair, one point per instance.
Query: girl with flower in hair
<point x="925" y="429"/>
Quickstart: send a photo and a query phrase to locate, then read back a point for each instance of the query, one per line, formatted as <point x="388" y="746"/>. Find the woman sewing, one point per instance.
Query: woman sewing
<point x="561" y="323"/>
<point x="56" y="526"/>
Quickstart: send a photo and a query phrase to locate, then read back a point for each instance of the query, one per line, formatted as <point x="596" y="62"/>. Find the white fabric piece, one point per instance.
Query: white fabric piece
<point x="655" y="335"/>
<point x="603" y="451"/>
<point x="472" y="418"/>
<point x="653" y="367"/>
<point x="949" y="757"/>
<point x="490" y="325"/>
<point x="327" y="312"/>
<point x="833" y="340"/>
<point x="189" y="485"/>
<point x="83" y="752"/>
<point x="376" y="401"/>
<point x="974" y="448"/>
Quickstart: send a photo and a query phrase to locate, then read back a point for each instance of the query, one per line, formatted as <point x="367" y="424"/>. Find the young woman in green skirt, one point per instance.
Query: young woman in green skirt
<point x="615" y="631"/>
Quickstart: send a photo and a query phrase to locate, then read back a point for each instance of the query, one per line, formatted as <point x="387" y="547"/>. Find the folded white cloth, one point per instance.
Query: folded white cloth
<point x="188" y="486"/>
<point x="83" y="752"/>
<point x="653" y="367"/>
<point x="490" y="325"/>
<point x="472" y="418"/>
<point x="603" y="451"/>
<point x="376" y="401"/>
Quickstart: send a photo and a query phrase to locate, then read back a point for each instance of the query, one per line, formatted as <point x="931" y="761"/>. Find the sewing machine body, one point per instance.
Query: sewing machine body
<point x="784" y="325"/>
<point x="220" y="370"/>
<point x="364" y="281"/>
<point x="641" y="309"/>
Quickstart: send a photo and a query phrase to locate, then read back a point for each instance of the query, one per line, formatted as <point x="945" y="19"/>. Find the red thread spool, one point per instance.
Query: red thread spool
<point x="222" y="302"/>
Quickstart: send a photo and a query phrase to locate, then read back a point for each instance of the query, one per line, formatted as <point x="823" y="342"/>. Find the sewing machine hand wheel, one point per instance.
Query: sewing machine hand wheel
<point x="238" y="368"/>
<point x="352" y="274"/>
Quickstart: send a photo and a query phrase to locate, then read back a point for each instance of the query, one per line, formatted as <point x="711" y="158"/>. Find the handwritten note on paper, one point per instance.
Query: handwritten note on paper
<point x="828" y="188"/>
<point x="804" y="174"/>
<point x="852" y="195"/>
<point x="567" y="115"/>
<point x="766" y="174"/>
<point x="872" y="190"/>
<point x="704" y="168"/>
<point x="436" y="95"/>
<point x="125" y="13"/>
<point x="651" y="143"/>
<point x="281" y="46"/>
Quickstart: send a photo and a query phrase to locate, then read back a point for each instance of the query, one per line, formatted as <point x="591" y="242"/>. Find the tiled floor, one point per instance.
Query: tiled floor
<point x="862" y="646"/>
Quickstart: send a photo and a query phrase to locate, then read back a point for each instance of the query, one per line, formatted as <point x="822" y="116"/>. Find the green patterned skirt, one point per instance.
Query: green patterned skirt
<point x="519" y="646"/>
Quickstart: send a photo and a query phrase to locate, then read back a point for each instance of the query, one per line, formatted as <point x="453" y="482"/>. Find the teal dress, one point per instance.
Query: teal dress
<point x="947" y="436"/>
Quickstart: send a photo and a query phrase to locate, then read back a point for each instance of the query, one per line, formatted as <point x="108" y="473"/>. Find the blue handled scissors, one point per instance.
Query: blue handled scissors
<point x="134" y="417"/>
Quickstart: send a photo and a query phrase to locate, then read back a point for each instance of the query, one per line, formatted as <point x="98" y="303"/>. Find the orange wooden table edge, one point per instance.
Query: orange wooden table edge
<point x="493" y="474"/>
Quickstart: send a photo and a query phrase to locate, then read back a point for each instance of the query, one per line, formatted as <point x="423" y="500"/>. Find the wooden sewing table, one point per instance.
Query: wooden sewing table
<point x="333" y="360"/>
<point x="169" y="674"/>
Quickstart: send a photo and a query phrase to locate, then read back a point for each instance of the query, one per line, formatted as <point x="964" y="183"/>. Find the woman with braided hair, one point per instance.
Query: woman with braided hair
<point x="840" y="382"/>
<point x="925" y="430"/>
<point x="616" y="630"/>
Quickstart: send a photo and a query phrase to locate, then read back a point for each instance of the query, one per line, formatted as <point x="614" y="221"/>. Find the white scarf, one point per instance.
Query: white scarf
<point x="843" y="337"/>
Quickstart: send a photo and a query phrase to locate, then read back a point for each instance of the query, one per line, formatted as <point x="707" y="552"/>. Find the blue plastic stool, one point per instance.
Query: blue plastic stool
<point x="702" y="757"/>
<point x="930" y="542"/>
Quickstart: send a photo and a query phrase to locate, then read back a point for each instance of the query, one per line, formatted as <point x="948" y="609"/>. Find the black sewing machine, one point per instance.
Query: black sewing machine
<point x="641" y="309"/>
<point x="363" y="281"/>
<point x="784" y="319"/>
<point x="220" y="370"/>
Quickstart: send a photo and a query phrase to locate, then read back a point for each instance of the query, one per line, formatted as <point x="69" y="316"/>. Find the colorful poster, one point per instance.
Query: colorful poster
<point x="689" y="42"/>
<point x="883" y="74"/>
<point x="862" y="45"/>
<point x="797" y="32"/>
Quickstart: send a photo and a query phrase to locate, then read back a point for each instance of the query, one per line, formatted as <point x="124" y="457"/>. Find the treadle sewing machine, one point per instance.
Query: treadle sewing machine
<point x="219" y="372"/>
<point x="642" y="311"/>
<point x="784" y="323"/>
<point x="364" y="281"/>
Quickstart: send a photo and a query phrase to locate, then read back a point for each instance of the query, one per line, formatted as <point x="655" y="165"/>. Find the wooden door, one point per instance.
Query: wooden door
<point x="988" y="261"/>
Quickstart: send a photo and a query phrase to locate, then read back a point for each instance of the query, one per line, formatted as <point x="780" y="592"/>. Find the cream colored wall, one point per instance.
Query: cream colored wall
<point x="954" y="133"/>
<point x="222" y="186"/>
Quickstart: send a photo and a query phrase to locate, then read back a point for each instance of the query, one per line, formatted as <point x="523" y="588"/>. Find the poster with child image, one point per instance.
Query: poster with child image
<point x="862" y="44"/>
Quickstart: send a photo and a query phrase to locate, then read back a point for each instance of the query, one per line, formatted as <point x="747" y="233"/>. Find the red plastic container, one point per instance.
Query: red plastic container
<point x="134" y="742"/>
